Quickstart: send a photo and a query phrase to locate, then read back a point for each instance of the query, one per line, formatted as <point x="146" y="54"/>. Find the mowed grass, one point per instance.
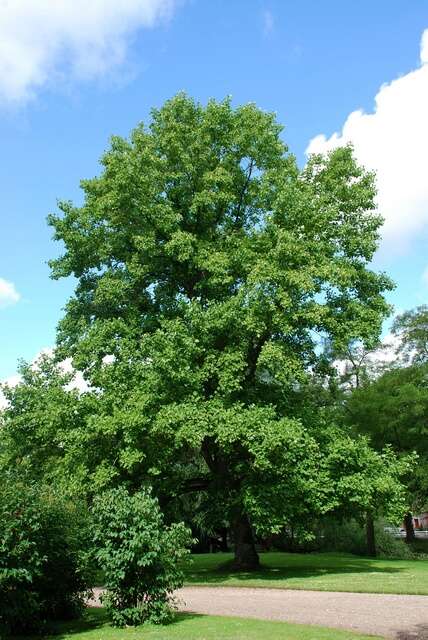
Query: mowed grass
<point x="314" y="571"/>
<point x="94" y="626"/>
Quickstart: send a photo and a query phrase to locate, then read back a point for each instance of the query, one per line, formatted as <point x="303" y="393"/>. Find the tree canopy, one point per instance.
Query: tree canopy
<point x="210" y="270"/>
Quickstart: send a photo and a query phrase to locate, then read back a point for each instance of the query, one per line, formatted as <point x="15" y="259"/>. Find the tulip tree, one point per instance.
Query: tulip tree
<point x="210" y="269"/>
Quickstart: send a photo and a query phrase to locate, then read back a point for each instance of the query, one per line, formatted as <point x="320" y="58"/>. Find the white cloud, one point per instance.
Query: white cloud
<point x="8" y="293"/>
<point x="44" y="40"/>
<point x="78" y="382"/>
<point x="425" y="277"/>
<point x="387" y="352"/>
<point x="393" y="140"/>
<point x="268" y="22"/>
<point x="373" y="361"/>
<point x="424" y="47"/>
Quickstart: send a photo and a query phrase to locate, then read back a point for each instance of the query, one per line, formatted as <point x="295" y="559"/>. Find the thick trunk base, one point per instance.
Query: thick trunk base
<point x="410" y="529"/>
<point x="370" y="536"/>
<point x="223" y="545"/>
<point x="246" y="557"/>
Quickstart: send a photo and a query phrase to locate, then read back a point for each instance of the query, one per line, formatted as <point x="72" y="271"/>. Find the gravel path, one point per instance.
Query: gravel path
<point x="391" y="616"/>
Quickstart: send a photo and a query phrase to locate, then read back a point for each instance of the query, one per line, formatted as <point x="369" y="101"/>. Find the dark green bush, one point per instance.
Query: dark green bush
<point x="342" y="535"/>
<point x="139" y="555"/>
<point x="42" y="557"/>
<point x="388" y="546"/>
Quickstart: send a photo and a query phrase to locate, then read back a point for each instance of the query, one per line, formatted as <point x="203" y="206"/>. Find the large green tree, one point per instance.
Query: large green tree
<point x="209" y="270"/>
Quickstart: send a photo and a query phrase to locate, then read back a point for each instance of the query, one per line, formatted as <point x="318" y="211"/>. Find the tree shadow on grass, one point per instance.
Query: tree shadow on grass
<point x="93" y="618"/>
<point x="306" y="569"/>
<point x="419" y="632"/>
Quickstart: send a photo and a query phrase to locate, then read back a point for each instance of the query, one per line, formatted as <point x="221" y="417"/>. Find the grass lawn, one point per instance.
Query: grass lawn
<point x="94" y="626"/>
<point x="315" y="571"/>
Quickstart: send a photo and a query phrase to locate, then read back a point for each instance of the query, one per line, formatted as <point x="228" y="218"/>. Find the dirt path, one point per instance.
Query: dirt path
<point x="391" y="616"/>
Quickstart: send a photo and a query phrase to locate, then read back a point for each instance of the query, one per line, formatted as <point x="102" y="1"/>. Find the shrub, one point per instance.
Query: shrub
<point x="342" y="535"/>
<point x="388" y="546"/>
<point x="42" y="557"/>
<point x="139" y="555"/>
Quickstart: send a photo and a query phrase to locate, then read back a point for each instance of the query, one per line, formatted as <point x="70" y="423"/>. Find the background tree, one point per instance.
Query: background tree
<point x="393" y="410"/>
<point x="355" y="366"/>
<point x="368" y="484"/>
<point x="209" y="269"/>
<point x="411" y="327"/>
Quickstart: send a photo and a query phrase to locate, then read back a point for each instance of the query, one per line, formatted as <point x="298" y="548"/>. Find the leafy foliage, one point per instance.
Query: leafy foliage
<point x="393" y="410"/>
<point x="139" y="556"/>
<point x="369" y="482"/>
<point x="44" y="427"/>
<point x="211" y="270"/>
<point x="43" y="562"/>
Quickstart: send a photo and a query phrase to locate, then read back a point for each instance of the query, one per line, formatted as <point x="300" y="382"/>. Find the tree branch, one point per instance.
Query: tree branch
<point x="244" y="189"/>
<point x="194" y="484"/>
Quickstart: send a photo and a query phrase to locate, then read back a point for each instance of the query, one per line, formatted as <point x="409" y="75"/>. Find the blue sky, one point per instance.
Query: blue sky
<point x="72" y="73"/>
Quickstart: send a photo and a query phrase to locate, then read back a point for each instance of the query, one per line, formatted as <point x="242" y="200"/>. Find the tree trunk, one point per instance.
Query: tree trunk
<point x="410" y="530"/>
<point x="370" y="536"/>
<point x="246" y="557"/>
<point x="223" y="544"/>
